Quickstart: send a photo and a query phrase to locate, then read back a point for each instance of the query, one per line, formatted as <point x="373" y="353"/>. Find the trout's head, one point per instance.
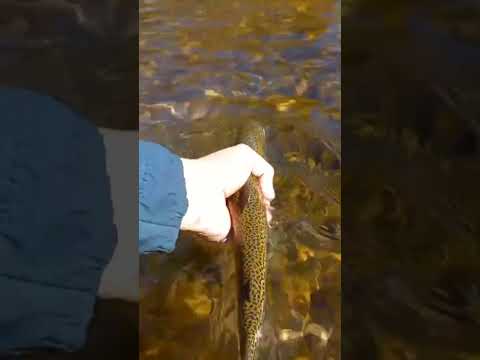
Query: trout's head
<point x="254" y="135"/>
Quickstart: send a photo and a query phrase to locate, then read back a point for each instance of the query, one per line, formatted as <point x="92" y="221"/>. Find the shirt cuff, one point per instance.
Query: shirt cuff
<point x="162" y="198"/>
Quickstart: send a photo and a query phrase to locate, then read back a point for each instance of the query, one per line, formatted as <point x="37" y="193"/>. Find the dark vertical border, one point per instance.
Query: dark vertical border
<point x="81" y="56"/>
<point x="410" y="175"/>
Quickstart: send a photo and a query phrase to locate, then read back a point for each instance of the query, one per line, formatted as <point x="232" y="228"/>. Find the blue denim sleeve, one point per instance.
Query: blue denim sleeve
<point x="56" y="222"/>
<point x="162" y="198"/>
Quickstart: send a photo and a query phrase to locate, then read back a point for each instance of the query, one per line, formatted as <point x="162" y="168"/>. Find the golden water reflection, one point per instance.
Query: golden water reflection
<point x="205" y="67"/>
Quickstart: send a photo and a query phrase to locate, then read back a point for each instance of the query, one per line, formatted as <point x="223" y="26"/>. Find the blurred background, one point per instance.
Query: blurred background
<point x="411" y="217"/>
<point x="85" y="54"/>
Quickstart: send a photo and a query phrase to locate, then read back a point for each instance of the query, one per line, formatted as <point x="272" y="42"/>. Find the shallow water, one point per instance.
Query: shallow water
<point x="205" y="67"/>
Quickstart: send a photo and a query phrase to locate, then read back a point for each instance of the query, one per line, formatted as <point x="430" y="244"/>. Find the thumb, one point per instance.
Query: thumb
<point x="221" y="223"/>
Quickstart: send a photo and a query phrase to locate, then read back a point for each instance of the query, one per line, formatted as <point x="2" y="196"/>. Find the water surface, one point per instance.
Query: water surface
<point x="206" y="67"/>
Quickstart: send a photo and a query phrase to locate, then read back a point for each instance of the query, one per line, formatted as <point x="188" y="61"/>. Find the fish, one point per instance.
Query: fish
<point x="250" y="231"/>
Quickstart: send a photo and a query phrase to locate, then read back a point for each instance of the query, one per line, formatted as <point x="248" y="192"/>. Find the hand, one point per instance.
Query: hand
<point x="210" y="180"/>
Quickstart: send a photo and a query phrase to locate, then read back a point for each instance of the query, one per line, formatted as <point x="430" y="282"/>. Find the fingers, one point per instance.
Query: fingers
<point x="217" y="238"/>
<point x="269" y="210"/>
<point x="216" y="177"/>
<point x="265" y="172"/>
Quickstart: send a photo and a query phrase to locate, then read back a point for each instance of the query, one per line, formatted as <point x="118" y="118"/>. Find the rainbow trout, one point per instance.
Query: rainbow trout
<point x="250" y="234"/>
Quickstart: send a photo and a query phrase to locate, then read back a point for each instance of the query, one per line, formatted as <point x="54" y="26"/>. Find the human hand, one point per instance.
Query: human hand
<point x="211" y="179"/>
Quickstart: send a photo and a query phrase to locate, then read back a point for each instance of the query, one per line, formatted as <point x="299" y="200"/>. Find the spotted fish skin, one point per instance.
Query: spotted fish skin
<point x="250" y="229"/>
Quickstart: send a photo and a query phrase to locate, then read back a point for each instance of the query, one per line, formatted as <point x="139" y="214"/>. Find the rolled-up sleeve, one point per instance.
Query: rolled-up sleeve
<point x="162" y="198"/>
